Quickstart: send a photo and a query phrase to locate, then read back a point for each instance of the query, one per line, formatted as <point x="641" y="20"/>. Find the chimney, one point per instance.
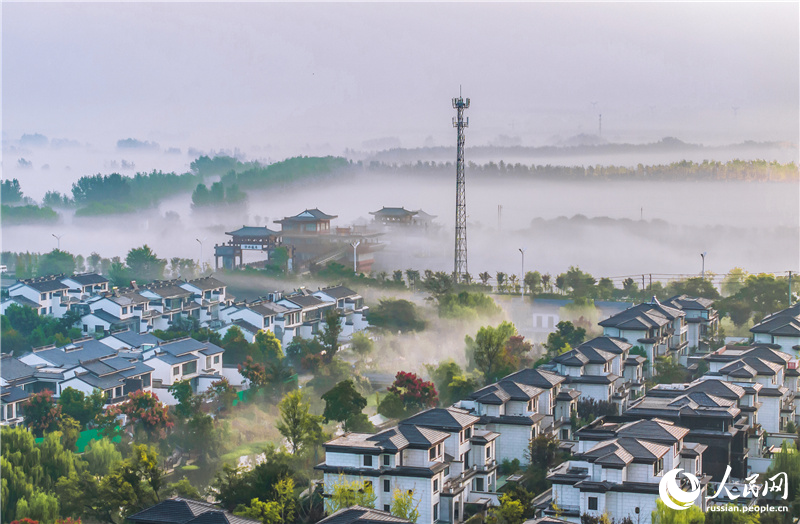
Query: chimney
<point x="134" y="286"/>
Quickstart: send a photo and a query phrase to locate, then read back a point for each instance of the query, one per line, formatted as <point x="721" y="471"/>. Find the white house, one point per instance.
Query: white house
<point x="46" y="292"/>
<point x="781" y="329"/>
<point x="702" y="319"/>
<point x="185" y="359"/>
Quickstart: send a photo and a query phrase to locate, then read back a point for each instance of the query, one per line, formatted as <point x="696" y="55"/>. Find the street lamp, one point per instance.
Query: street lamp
<point x="522" y="273"/>
<point x="201" y="253"/>
<point x="355" y="254"/>
<point x="703" y="256"/>
<point x="58" y="237"/>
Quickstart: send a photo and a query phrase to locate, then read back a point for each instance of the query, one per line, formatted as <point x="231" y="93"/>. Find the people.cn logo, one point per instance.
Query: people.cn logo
<point x="671" y="493"/>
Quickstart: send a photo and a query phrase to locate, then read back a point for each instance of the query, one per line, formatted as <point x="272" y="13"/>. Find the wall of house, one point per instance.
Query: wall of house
<point x="623" y="504"/>
<point x="769" y="414"/>
<point x="786" y="343"/>
<point x="512" y="442"/>
<point x="598" y="392"/>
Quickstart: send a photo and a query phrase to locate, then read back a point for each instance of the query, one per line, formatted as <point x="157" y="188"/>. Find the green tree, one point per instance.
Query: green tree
<point x="694" y="287"/>
<point x="396" y="315"/>
<point x="343" y="403"/>
<point x="144" y="265"/>
<point x="188" y="403"/>
<point x="297" y="424"/>
<point x="269" y="346"/>
<point x="347" y="493"/>
<point x="70" y="432"/>
<point x="223" y="394"/>
<point x="101" y="456"/>
<point x="403" y="505"/>
<point x="133" y="485"/>
<point x="451" y="382"/>
<point x="438" y="283"/>
<point x="733" y="281"/>
<point x="533" y="281"/>
<point x="489" y="349"/>
<point x="330" y="334"/>
<point x="361" y="344"/>
<point x="577" y="283"/>
<point x="56" y="262"/>
<point x="267" y="512"/>
<point x="509" y="511"/>
<point x="78" y="405"/>
<point x="40" y="507"/>
<point x="182" y="488"/>
<point x="665" y="515"/>
<point x="566" y="334"/>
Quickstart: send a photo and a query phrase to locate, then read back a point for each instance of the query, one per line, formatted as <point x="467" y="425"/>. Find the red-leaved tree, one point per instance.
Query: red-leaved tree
<point x="144" y="409"/>
<point x="415" y="393"/>
<point x="42" y="414"/>
<point x="254" y="372"/>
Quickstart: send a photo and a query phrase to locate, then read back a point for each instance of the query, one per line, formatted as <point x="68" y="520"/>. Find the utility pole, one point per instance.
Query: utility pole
<point x="651" y="281"/>
<point x="790" y="289"/>
<point x="643" y="286"/>
<point x="703" y="256"/>
<point x="600" y="126"/>
<point x="522" y="252"/>
<point x="460" y="259"/>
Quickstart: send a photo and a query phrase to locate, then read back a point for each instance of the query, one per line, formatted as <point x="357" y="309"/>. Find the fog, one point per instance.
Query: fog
<point x="608" y="228"/>
<point x="267" y="81"/>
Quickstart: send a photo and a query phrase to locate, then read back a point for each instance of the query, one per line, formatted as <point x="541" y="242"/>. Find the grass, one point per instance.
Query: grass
<point x="248" y="448"/>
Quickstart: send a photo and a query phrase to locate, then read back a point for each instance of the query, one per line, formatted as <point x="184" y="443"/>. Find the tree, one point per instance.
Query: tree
<point x="40" y="507"/>
<point x="188" y="403"/>
<point x="488" y="348"/>
<point x="665" y="515"/>
<point x="101" y="456"/>
<point x="416" y="394"/>
<point x="391" y="406"/>
<point x="509" y="511"/>
<point x="223" y="394"/>
<point x="266" y="512"/>
<point x="347" y="493"/>
<point x="182" y="488"/>
<point x="566" y="334"/>
<point x="694" y="287"/>
<point x="669" y="371"/>
<point x="403" y="505"/>
<point x="485" y="277"/>
<point x="144" y="265"/>
<point x="396" y="315"/>
<point x="144" y="410"/>
<point x="133" y="485"/>
<point x="733" y="281"/>
<point x="83" y="408"/>
<point x="56" y="262"/>
<point x="343" y="403"/>
<point x="10" y="191"/>
<point x="297" y="424"/>
<point x="330" y="334"/>
<point x="361" y="344"/>
<point x="70" y="432"/>
<point x="438" y="283"/>
<point x="42" y="413"/>
<point x="269" y="346"/>
<point x="451" y="382"/>
<point x="533" y="281"/>
<point x="254" y="373"/>
<point x="542" y="451"/>
<point x="577" y="283"/>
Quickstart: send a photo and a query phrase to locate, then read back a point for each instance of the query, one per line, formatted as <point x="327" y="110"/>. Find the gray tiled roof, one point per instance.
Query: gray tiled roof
<point x="610" y="344"/>
<point x="73" y="354"/>
<point x="87" y="279"/>
<point x="135" y="340"/>
<point x="181" y="346"/>
<point x="46" y="284"/>
<point x="13" y="394"/>
<point x="207" y="283"/>
<point x="338" y="292"/>
<point x="253" y="232"/>
<point x="786" y="320"/>
<point x="450" y="419"/>
<point x="362" y="515"/>
<point x="536" y="377"/>
<point x="12" y="369"/>
<point x="184" y="511"/>
<point x="309" y="215"/>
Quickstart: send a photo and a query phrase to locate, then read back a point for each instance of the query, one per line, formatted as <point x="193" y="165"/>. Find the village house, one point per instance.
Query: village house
<point x="46" y="292"/>
<point x="702" y="320"/>
<point x="184" y="359"/>
<point x="618" y="467"/>
<point x="438" y="455"/>
<point x="657" y="329"/>
<point x="781" y="329"/>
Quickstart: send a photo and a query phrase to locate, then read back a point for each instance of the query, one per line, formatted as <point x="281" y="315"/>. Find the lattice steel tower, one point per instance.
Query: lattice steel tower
<point x="460" y="265"/>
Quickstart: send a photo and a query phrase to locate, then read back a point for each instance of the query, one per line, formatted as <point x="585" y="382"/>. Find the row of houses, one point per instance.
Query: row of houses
<point x="735" y="415"/>
<point x="119" y="354"/>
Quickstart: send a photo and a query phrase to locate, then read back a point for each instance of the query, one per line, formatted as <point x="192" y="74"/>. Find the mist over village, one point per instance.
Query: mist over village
<point x="360" y="263"/>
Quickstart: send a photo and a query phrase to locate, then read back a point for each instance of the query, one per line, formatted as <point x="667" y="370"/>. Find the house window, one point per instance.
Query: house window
<point x="658" y="466"/>
<point x="44" y="296"/>
<point x="478" y="484"/>
<point x="488" y="451"/>
<point x="387" y="508"/>
<point x="593" y="503"/>
<point x="386" y="460"/>
<point x="468" y="433"/>
<point x="208" y="362"/>
<point x="436" y="485"/>
<point x="636" y="510"/>
<point x="85" y="328"/>
<point x="432" y="453"/>
<point x="447" y="471"/>
<point x="176" y="371"/>
<point x="146" y="380"/>
<point x="190" y="367"/>
<point x="216" y="359"/>
<point x="387" y="485"/>
<point x="436" y="512"/>
<point x="368" y="460"/>
<point x="98" y="329"/>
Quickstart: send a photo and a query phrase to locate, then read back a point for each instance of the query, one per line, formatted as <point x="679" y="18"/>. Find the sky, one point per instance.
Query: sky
<point x="280" y="79"/>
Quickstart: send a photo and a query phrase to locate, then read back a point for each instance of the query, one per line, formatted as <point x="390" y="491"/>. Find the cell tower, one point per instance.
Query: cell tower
<point x="460" y="265"/>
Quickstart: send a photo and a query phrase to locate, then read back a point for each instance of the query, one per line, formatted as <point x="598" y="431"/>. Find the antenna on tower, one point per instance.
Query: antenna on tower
<point x="460" y="259"/>
<point x="600" y="126"/>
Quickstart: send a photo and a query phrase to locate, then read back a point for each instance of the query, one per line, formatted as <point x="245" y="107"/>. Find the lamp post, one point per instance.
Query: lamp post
<point x="355" y="255"/>
<point x="58" y="238"/>
<point x="522" y="272"/>
<point x="703" y="256"/>
<point x="201" y="253"/>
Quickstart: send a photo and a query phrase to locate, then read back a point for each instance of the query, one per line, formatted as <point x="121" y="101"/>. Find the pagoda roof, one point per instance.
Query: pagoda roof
<point x="309" y="215"/>
<point x="253" y="232"/>
<point x="393" y="212"/>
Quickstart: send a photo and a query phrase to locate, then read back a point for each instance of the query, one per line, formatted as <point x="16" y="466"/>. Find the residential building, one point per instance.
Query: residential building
<point x="362" y="515"/>
<point x="46" y="292"/>
<point x="781" y="329"/>
<point x="702" y="320"/>
<point x="185" y="359"/>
